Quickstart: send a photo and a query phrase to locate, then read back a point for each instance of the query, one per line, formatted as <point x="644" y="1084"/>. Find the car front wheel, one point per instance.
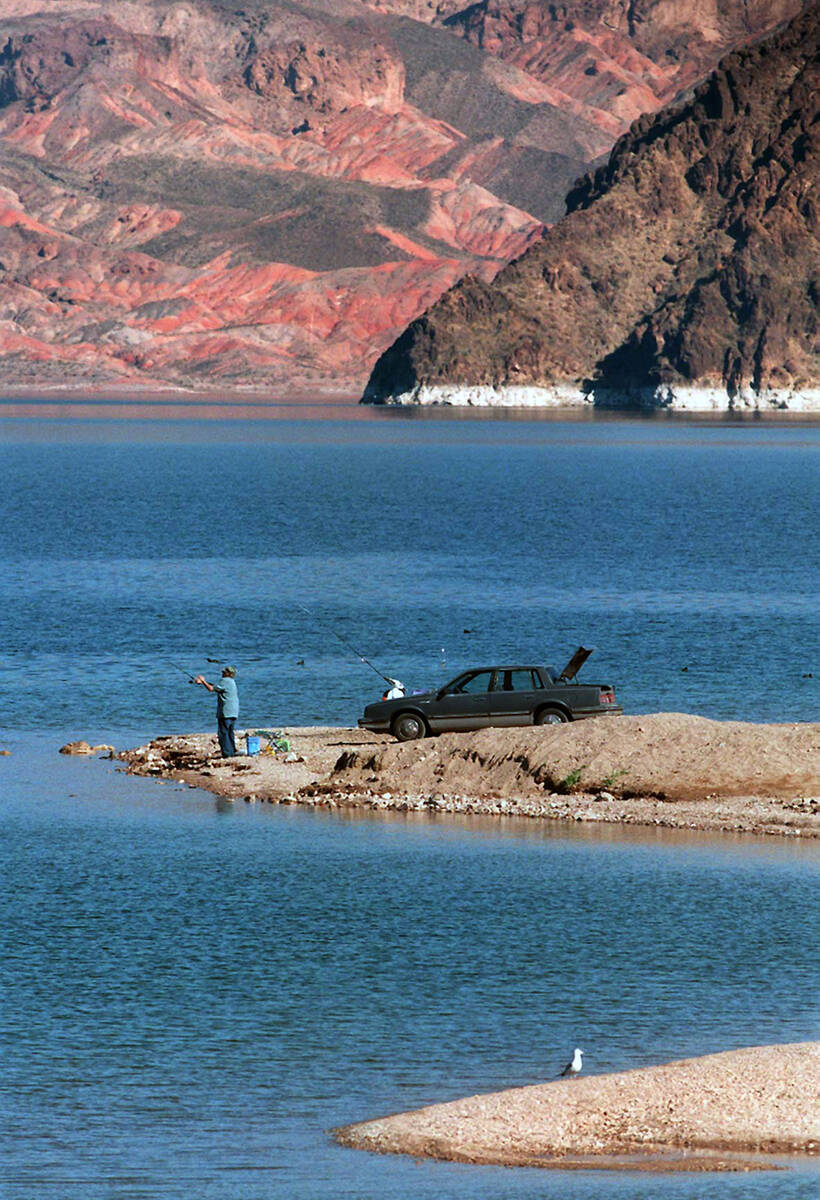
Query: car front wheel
<point x="407" y="727"/>
<point x="551" y="716"/>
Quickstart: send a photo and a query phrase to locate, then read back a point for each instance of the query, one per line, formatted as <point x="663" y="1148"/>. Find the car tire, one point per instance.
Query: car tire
<point x="552" y="716"/>
<point x="408" y="727"/>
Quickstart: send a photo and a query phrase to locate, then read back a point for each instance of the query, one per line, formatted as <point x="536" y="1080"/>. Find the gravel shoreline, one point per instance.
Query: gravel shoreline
<point x="665" y="770"/>
<point x="736" y="1111"/>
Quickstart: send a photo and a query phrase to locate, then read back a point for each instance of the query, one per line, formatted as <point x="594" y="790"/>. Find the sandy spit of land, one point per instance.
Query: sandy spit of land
<point x="667" y="769"/>
<point x="710" y="1113"/>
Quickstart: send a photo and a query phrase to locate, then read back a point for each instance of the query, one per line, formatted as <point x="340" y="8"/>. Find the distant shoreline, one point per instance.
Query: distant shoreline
<point x="649" y="399"/>
<point x="96" y="403"/>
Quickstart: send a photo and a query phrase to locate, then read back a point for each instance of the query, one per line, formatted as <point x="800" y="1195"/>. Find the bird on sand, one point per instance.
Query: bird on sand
<point x="573" y="1068"/>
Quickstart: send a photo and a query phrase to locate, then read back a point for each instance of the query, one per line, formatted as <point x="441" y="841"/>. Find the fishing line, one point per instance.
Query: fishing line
<point x="347" y="644"/>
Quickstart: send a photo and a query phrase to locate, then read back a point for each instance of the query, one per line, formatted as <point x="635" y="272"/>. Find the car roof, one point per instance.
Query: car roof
<point x="506" y="667"/>
<point x="569" y="672"/>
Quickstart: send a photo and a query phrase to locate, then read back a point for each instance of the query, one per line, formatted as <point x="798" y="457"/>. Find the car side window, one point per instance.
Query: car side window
<point x="520" y="681"/>
<point x="476" y="683"/>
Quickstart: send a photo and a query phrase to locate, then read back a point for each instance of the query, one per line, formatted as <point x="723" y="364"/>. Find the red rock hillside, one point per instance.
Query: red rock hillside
<point x="260" y="196"/>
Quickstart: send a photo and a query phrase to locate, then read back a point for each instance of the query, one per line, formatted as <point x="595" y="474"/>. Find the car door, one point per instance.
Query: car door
<point x="512" y="696"/>
<point x="465" y="704"/>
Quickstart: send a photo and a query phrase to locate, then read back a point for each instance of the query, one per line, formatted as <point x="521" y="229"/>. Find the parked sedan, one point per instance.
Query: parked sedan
<point x="503" y="695"/>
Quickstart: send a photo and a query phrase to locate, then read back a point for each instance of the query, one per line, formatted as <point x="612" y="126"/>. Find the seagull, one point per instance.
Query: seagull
<point x="574" y="1068"/>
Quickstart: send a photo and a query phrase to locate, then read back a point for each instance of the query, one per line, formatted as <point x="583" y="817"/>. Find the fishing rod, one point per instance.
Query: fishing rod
<point x="182" y="669"/>
<point x="345" y="642"/>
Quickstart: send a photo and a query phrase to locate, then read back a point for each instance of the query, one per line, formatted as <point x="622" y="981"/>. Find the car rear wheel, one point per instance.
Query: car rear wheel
<point x="407" y="727"/>
<point x="551" y="716"/>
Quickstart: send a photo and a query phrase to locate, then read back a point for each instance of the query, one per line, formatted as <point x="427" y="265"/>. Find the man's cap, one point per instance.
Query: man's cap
<point x="229" y="671"/>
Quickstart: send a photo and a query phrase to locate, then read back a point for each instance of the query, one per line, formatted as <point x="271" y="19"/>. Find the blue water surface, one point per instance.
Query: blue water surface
<point x="686" y="555"/>
<point x="195" y="993"/>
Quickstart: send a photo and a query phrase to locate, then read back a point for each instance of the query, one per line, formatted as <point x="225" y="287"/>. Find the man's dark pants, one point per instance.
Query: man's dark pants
<point x="224" y="729"/>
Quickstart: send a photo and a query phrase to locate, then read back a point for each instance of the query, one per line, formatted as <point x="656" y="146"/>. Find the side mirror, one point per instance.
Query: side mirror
<point x="441" y="693"/>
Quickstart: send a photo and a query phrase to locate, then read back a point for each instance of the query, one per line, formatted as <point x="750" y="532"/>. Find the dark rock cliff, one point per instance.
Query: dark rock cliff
<point x="690" y="261"/>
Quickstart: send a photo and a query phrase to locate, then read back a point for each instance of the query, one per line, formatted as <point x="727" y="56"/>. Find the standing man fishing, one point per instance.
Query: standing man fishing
<point x="227" y="708"/>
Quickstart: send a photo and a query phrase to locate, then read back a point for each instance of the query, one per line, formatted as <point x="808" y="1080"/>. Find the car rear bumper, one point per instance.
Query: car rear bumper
<point x="611" y="710"/>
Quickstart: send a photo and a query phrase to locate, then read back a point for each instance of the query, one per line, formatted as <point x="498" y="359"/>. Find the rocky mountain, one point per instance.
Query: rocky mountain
<point x="210" y="194"/>
<point x="686" y="273"/>
<point x="619" y="59"/>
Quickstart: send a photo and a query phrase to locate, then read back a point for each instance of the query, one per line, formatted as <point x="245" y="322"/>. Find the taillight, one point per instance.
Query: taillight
<point x="607" y="696"/>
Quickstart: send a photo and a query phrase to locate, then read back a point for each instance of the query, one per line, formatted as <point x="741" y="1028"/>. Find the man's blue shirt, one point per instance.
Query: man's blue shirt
<point x="227" y="698"/>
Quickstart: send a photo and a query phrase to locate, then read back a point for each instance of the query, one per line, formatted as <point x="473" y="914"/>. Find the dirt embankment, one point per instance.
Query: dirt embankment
<point x="667" y="769"/>
<point x="707" y="1113"/>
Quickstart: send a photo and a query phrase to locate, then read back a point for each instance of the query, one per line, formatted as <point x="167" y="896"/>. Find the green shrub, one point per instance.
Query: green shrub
<point x="571" y="781"/>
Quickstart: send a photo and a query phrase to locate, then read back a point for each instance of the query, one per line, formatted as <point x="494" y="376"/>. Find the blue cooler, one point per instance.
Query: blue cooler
<point x="253" y="744"/>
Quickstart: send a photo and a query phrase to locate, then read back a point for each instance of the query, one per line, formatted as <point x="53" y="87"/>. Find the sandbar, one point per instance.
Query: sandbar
<point x="668" y="770"/>
<point x="738" y="1110"/>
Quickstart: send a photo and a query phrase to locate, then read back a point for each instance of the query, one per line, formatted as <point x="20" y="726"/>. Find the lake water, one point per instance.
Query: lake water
<point x="194" y="993"/>
<point x="686" y="555"/>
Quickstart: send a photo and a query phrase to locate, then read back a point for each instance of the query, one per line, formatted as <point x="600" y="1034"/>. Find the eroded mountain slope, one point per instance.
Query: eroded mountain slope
<point x="203" y="193"/>
<point x="687" y="270"/>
